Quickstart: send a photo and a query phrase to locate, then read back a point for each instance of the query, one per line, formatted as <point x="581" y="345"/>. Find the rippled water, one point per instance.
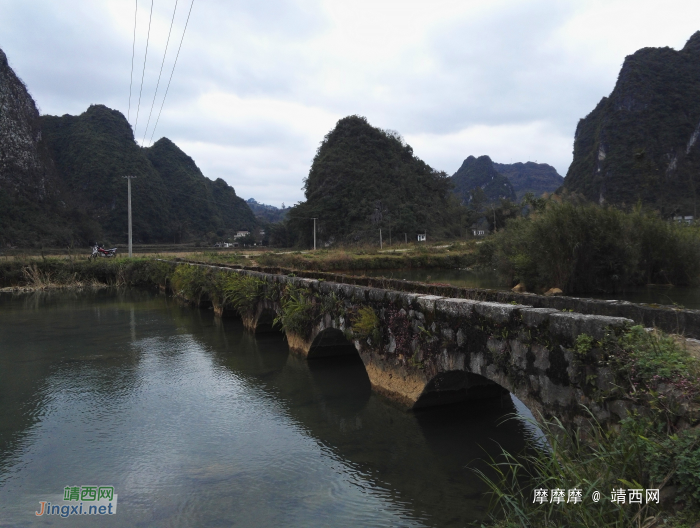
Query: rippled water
<point x="197" y="423"/>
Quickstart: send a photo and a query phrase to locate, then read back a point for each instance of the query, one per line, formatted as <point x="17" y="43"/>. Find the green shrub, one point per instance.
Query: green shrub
<point x="298" y="312"/>
<point x="587" y="248"/>
<point x="243" y="292"/>
<point x="679" y="455"/>
<point x="191" y="282"/>
<point x="365" y="323"/>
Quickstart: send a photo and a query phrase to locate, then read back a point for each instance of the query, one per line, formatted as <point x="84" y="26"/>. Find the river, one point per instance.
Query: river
<point x="195" y="422"/>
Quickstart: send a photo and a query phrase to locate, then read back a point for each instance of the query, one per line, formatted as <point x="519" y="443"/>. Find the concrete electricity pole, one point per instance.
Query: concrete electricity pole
<point x="128" y="180"/>
<point x="381" y="245"/>
<point x="314" y="219"/>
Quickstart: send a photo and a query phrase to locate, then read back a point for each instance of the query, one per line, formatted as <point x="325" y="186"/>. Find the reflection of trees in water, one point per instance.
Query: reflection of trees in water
<point x="49" y="337"/>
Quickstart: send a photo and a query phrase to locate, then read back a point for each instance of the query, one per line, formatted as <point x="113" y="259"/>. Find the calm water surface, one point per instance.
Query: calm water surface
<point x="197" y="423"/>
<point x="686" y="297"/>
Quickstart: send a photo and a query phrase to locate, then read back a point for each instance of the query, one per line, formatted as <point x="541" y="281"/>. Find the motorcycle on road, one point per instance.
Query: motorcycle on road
<point x="99" y="251"/>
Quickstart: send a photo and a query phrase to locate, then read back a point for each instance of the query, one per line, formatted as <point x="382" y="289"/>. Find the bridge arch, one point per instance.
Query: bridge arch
<point x="262" y="319"/>
<point x="330" y="342"/>
<point x="454" y="386"/>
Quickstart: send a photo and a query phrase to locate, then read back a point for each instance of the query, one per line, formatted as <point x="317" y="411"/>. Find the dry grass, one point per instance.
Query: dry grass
<point x="36" y="280"/>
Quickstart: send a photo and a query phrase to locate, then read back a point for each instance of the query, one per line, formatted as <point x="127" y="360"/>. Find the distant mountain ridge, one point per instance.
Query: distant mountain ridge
<point x="480" y="173"/>
<point x="537" y="178"/>
<point x="268" y="213"/>
<point x="503" y="181"/>
<point x="172" y="200"/>
<point x="61" y="180"/>
<point x="641" y="142"/>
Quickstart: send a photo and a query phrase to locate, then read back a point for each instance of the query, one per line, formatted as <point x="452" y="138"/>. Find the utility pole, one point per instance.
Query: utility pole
<point x="314" y="219"/>
<point x="405" y="238"/>
<point x="128" y="181"/>
<point x="381" y="246"/>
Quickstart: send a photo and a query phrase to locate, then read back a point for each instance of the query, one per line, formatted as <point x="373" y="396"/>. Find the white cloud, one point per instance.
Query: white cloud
<point x="258" y="84"/>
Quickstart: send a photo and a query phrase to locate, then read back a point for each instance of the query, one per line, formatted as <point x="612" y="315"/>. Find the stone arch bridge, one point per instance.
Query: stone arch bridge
<point x="421" y="350"/>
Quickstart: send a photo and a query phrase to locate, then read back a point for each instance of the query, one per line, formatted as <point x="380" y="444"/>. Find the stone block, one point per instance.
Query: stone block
<point x="494" y="345"/>
<point x="518" y="352"/>
<point x="620" y="408"/>
<point x="348" y="290"/>
<point x="394" y="297"/>
<point x="554" y="394"/>
<point x="408" y="300"/>
<point x="570" y="325"/>
<point x="541" y="354"/>
<point x="533" y="317"/>
<point x="427" y="302"/>
<point x="455" y="307"/>
<point x="497" y="312"/>
<point x="605" y="380"/>
<point x="360" y="294"/>
<point x="326" y="288"/>
<point x="461" y="339"/>
<point x="376" y="294"/>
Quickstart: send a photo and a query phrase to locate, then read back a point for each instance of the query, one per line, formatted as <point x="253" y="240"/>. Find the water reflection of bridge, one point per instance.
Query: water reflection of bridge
<point x="422" y="458"/>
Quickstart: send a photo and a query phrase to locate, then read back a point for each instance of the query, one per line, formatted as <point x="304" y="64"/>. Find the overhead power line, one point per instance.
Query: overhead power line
<point x="148" y="36"/>
<point x="133" y="48"/>
<point x="172" y="72"/>
<point x="143" y="141"/>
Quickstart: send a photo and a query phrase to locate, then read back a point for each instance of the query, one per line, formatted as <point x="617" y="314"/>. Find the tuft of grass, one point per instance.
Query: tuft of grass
<point x="242" y="292"/>
<point x="298" y="312"/>
<point x="651" y="369"/>
<point x="633" y="456"/>
<point x="365" y="323"/>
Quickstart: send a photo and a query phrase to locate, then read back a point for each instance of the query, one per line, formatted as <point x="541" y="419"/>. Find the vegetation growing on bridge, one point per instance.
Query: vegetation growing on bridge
<point x="299" y="311"/>
<point x="365" y="323"/>
<point x="651" y="448"/>
<point x="242" y="292"/>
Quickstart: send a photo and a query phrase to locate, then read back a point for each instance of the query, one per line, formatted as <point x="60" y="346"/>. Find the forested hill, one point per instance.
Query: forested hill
<point x="641" y="142"/>
<point x="363" y="179"/>
<point x="480" y="173"/>
<point x="537" y="178"/>
<point x="32" y="207"/>
<point x="267" y="213"/>
<point x="199" y="204"/>
<point x="171" y="200"/>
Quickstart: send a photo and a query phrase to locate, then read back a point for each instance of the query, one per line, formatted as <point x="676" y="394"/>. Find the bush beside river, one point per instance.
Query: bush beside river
<point x="587" y="248"/>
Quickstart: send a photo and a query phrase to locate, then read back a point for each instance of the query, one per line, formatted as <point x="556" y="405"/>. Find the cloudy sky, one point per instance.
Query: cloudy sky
<point x="259" y="83"/>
